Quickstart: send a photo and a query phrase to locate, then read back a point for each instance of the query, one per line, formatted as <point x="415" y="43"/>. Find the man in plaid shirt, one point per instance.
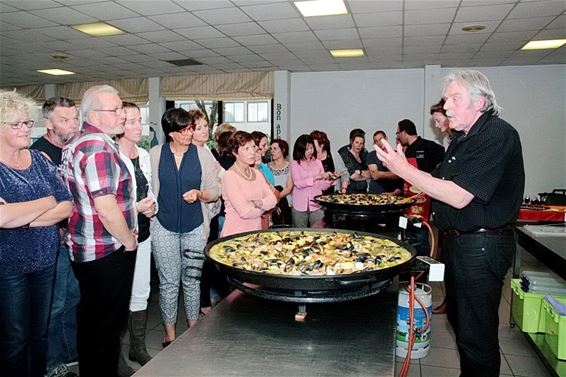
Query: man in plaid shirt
<point x="102" y="229"/>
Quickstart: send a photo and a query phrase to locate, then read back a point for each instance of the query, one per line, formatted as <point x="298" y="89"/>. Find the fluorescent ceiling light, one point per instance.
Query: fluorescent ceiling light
<point x="321" y="7"/>
<point x="544" y="44"/>
<point x="55" y="72"/>
<point x="352" y="53"/>
<point x="98" y="29"/>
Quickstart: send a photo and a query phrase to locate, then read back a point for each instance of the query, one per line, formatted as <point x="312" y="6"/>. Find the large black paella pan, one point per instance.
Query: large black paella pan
<point x="309" y="259"/>
<point x="364" y="204"/>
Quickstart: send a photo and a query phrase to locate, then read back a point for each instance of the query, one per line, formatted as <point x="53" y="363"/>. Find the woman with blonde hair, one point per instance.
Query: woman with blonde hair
<point x="33" y="199"/>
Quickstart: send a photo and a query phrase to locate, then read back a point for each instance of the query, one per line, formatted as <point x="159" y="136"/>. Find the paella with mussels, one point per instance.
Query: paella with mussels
<point x="364" y="199"/>
<point x="299" y="252"/>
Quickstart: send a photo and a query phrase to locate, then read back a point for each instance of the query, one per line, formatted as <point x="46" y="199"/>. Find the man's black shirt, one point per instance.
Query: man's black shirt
<point x="488" y="163"/>
<point x="427" y="153"/>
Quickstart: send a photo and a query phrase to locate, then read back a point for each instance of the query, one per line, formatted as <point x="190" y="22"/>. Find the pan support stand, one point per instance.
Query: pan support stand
<point x="301" y="315"/>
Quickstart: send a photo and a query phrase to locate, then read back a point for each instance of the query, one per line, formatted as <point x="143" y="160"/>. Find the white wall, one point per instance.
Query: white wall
<point x="533" y="100"/>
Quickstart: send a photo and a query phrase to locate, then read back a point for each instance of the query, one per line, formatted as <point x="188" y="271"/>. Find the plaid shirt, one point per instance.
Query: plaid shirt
<point x="92" y="167"/>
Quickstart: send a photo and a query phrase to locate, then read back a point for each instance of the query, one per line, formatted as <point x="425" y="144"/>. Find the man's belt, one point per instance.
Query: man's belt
<point x="507" y="229"/>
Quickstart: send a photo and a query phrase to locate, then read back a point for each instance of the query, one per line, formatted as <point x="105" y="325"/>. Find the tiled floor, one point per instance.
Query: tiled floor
<point x="518" y="358"/>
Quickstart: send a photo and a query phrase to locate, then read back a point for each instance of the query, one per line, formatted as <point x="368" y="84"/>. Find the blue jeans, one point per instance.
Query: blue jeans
<point x="476" y="265"/>
<point x="25" y="300"/>
<point x="62" y="334"/>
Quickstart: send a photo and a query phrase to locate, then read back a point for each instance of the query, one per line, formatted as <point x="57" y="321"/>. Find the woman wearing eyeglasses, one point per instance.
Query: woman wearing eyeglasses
<point x="184" y="179"/>
<point x="33" y="199"/>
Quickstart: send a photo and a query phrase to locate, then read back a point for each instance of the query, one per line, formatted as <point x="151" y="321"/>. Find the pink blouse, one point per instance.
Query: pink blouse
<point x="238" y="193"/>
<point x="305" y="187"/>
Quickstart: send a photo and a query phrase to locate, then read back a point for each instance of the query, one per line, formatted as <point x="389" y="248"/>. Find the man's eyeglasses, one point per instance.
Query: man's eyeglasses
<point x="116" y="110"/>
<point x="18" y="125"/>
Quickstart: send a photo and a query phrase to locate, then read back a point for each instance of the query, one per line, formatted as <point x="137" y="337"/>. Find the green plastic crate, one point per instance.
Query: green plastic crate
<point x="527" y="309"/>
<point x="555" y="334"/>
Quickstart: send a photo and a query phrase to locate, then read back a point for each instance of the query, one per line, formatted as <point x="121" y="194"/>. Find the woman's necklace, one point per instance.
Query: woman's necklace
<point x="244" y="175"/>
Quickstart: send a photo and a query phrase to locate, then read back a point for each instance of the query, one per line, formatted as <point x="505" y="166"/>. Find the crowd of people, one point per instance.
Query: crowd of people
<point x="84" y="209"/>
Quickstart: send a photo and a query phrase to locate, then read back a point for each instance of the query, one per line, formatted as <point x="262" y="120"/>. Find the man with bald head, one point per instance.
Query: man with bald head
<point x="102" y="230"/>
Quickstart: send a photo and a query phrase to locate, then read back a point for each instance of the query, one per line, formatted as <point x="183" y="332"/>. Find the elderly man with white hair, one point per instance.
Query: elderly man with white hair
<point x="102" y="230"/>
<point x="477" y="192"/>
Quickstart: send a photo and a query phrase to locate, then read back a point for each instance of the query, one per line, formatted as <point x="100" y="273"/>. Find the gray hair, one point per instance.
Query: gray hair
<point x="478" y="86"/>
<point x="90" y="101"/>
<point x="12" y="102"/>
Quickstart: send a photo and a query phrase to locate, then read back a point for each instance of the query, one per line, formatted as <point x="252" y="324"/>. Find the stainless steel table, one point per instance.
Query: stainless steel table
<point x="248" y="336"/>
<point x="551" y="251"/>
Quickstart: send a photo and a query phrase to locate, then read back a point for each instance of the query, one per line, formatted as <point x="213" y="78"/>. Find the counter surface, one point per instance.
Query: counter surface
<point x="248" y="336"/>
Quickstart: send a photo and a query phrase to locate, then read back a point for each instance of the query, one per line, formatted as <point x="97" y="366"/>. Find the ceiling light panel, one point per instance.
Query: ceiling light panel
<point x="316" y="8"/>
<point x="544" y="44"/>
<point x="98" y="29"/>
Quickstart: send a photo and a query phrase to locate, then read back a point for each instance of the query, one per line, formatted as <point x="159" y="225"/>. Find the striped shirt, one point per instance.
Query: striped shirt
<point x="92" y="167"/>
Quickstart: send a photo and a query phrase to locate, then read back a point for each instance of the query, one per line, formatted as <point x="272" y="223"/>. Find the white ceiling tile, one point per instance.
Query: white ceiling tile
<point x="247" y="28"/>
<point x="29" y="4"/>
<point x="191" y="5"/>
<point x="231" y="51"/>
<point x="117" y="51"/>
<point x="522" y="24"/>
<point x="381" y="32"/>
<point x="99" y="44"/>
<point x="431" y="4"/>
<point x="136" y="25"/>
<point x="558" y="23"/>
<point x="161" y="36"/>
<point x="64" y="16"/>
<point x="330" y="22"/>
<point x="551" y="34"/>
<point x="162" y="56"/>
<point x="63" y="32"/>
<point x="421" y="49"/>
<point x="475" y="3"/>
<point x="483" y="13"/>
<point x="288" y="25"/>
<point x="222" y="16"/>
<point x="365" y="6"/>
<point x="27" y="20"/>
<point x="424" y="40"/>
<point x="426" y="30"/>
<point x="296" y="36"/>
<point x="182" y="45"/>
<point x="218" y="42"/>
<point x="105" y="11"/>
<point x="538" y="9"/>
<point x="150" y="48"/>
<point x="27" y="35"/>
<point x="346" y="44"/>
<point x="274" y="11"/>
<point x="379" y="19"/>
<point x="150" y="7"/>
<point x="247" y="58"/>
<point x="7" y="8"/>
<point x="302" y="46"/>
<point x="123" y="40"/>
<point x="197" y="54"/>
<point x="178" y="20"/>
<point x="260" y="49"/>
<point x="250" y="40"/>
<point x="384" y="42"/>
<point x="464" y="39"/>
<point x="215" y="60"/>
<point x="4" y="26"/>
<point x="200" y="32"/>
<point x="511" y="37"/>
<point x="337" y="34"/>
<point x="429" y="16"/>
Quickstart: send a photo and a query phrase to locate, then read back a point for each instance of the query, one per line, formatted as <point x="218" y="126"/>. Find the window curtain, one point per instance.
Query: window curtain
<point x="130" y="90"/>
<point x="223" y="86"/>
<point x="35" y="92"/>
